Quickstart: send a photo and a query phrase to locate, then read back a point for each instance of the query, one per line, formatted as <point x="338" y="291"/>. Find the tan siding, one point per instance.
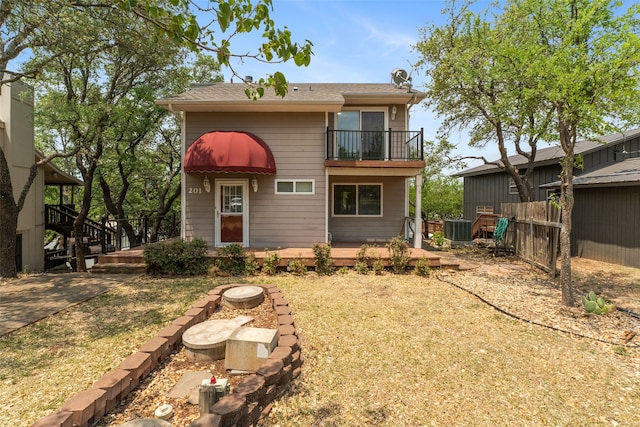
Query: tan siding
<point x="199" y="219"/>
<point x="376" y="229"/>
<point x="297" y="142"/>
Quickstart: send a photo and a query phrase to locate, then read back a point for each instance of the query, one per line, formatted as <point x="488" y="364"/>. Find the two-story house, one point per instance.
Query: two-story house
<point x="17" y="143"/>
<point x="328" y="162"/>
<point x="606" y="214"/>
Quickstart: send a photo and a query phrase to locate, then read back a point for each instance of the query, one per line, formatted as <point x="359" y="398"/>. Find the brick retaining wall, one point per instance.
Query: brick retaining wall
<point x="249" y="401"/>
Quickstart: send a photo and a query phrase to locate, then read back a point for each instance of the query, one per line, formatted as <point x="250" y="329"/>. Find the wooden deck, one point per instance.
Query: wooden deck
<point x="343" y="254"/>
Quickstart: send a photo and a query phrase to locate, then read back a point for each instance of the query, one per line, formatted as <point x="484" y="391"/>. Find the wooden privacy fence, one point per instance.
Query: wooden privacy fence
<point x="533" y="232"/>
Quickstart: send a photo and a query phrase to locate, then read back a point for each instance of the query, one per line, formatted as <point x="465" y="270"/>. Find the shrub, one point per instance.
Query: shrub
<point x="378" y="266"/>
<point x="177" y="257"/>
<point x="231" y="259"/>
<point x="251" y="266"/>
<point x="323" y="260"/>
<point x="398" y="254"/>
<point x="363" y="258"/>
<point x="297" y="267"/>
<point x="422" y="267"/>
<point x="270" y="263"/>
<point x="361" y="267"/>
<point x="438" y="238"/>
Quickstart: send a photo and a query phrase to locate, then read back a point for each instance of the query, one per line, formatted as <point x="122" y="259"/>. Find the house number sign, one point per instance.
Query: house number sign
<point x="195" y="190"/>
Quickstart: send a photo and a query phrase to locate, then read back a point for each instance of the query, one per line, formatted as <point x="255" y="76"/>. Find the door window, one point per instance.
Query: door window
<point x="361" y="135"/>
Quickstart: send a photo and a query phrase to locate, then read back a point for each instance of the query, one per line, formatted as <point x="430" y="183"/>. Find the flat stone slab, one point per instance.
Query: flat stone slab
<point x="209" y="333"/>
<point x="147" y="422"/>
<point x="249" y="348"/>
<point x="207" y="341"/>
<point x="243" y="296"/>
<point x="187" y="382"/>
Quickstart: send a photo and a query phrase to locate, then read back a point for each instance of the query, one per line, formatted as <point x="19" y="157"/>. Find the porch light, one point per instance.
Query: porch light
<point x="206" y="184"/>
<point x="254" y="184"/>
<point x="394" y="110"/>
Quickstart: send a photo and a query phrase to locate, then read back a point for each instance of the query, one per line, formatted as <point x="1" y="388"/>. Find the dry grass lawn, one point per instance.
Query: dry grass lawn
<point x="392" y="350"/>
<point x="405" y="351"/>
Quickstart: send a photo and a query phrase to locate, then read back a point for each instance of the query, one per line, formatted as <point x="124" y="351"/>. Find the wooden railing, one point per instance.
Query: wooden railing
<point x="484" y="225"/>
<point x="62" y="218"/>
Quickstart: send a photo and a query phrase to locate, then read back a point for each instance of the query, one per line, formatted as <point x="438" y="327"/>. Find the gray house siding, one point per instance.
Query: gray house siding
<point x="606" y="225"/>
<point x="606" y="220"/>
<point x="493" y="189"/>
<point x="297" y="142"/>
<point x="373" y="229"/>
<point x="486" y="190"/>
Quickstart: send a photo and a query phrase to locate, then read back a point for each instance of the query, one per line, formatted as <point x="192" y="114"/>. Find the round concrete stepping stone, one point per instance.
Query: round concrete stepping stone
<point x="244" y="296"/>
<point x="207" y="341"/>
<point x="147" y="422"/>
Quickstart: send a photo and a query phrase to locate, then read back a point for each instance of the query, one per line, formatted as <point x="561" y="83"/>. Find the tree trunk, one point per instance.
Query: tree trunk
<point x="8" y="222"/>
<point x="566" y="203"/>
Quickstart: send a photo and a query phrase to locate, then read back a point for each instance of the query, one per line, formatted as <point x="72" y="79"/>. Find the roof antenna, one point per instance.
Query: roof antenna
<point x="401" y="79"/>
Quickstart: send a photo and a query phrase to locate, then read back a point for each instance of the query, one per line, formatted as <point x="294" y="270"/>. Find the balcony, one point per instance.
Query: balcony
<point x="351" y="145"/>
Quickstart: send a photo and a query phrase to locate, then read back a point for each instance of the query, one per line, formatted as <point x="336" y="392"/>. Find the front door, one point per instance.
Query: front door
<point x="232" y="213"/>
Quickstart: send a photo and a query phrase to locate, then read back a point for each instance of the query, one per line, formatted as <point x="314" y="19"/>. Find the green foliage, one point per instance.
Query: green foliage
<point x="378" y="266"/>
<point x="398" y="254"/>
<point x="596" y="305"/>
<point x="271" y="262"/>
<point x="177" y="257"/>
<point x="441" y="194"/>
<point x="323" y="260"/>
<point x="297" y="267"/>
<point x="232" y="259"/>
<point x="363" y="258"/>
<point x="233" y="19"/>
<point x="361" y="267"/>
<point x="438" y="238"/>
<point x="422" y="267"/>
<point x="442" y="197"/>
<point x="621" y="350"/>
<point x="251" y="266"/>
<point x="523" y="71"/>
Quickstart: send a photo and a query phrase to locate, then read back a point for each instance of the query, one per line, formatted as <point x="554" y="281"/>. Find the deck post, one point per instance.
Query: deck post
<point x="417" y="233"/>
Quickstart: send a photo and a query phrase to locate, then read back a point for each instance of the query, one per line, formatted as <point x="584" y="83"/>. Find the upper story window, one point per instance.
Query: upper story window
<point x="361" y="134"/>
<point x="295" y="186"/>
<point x="357" y="199"/>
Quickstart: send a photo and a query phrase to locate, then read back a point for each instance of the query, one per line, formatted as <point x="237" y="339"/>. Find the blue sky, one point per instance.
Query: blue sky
<point x="356" y="41"/>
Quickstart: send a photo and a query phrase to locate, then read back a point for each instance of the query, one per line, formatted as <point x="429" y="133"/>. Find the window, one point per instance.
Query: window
<point x="361" y="134"/>
<point x="357" y="199"/>
<point x="295" y="186"/>
<point x="484" y="210"/>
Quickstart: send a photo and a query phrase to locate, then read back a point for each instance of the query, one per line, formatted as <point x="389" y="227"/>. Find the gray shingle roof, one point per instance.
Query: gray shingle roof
<point x="555" y="153"/>
<point x="626" y="172"/>
<point x="299" y="94"/>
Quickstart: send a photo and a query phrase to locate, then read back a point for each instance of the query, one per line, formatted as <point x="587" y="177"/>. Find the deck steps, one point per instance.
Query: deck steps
<point x="119" y="268"/>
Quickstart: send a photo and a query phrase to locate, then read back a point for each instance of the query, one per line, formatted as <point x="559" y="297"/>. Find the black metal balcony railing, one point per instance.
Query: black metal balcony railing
<point x="375" y="145"/>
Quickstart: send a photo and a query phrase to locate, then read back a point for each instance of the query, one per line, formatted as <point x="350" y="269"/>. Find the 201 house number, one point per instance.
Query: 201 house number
<point x="195" y="190"/>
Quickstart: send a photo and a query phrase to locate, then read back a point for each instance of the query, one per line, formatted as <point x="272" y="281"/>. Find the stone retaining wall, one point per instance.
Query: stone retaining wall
<point x="249" y="401"/>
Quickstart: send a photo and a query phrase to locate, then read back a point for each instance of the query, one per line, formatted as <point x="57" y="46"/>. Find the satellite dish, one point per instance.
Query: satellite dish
<point x="400" y="77"/>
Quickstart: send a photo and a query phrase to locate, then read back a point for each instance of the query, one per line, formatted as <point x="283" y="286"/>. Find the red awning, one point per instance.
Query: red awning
<point x="221" y="151"/>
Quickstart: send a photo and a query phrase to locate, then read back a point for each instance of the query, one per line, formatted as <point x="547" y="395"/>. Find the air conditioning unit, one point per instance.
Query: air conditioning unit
<point x="458" y="230"/>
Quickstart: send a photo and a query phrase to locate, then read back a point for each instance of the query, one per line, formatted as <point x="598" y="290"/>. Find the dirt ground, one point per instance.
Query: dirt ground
<point x="530" y="294"/>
